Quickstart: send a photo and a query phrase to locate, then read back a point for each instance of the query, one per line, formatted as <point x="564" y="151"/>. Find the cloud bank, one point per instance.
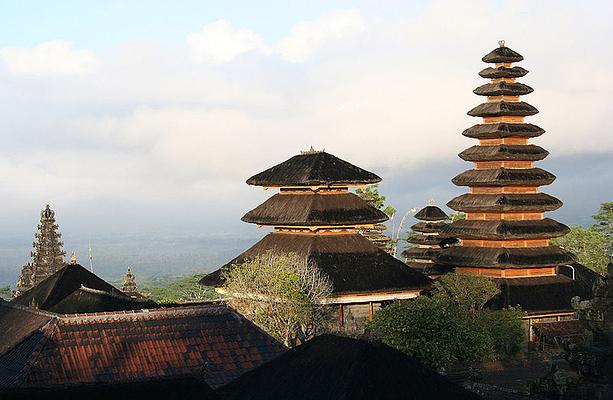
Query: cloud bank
<point x="164" y="135"/>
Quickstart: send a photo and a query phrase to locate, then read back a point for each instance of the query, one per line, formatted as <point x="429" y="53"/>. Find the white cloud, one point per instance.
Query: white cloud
<point x="307" y="37"/>
<point x="220" y="42"/>
<point x="56" y="57"/>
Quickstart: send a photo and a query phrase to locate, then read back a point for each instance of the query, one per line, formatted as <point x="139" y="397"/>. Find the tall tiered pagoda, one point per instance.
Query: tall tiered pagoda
<point x="505" y="234"/>
<point x="48" y="254"/>
<point x="426" y="241"/>
<point x="316" y="216"/>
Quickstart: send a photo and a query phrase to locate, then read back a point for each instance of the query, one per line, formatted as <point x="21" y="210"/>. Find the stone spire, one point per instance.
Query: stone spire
<point x="47" y="255"/>
<point x="129" y="284"/>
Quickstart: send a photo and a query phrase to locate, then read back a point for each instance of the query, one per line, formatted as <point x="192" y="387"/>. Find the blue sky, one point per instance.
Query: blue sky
<point x="100" y="25"/>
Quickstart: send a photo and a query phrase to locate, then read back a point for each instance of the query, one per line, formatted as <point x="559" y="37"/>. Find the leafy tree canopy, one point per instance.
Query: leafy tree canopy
<point x="281" y="293"/>
<point x="604" y="219"/>
<point x="590" y="246"/>
<point x="371" y="194"/>
<point x="452" y="326"/>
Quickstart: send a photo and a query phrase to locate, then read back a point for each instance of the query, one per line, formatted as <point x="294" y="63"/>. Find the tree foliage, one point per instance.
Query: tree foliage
<point x="185" y="289"/>
<point x="452" y="326"/>
<point x="590" y="246"/>
<point x="371" y="195"/>
<point x="281" y="293"/>
<point x="604" y="219"/>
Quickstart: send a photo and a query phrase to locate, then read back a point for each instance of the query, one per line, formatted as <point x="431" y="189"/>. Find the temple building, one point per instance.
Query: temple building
<point x="48" y="254"/>
<point x="129" y="284"/>
<point x="426" y="242"/>
<point x="316" y="216"/>
<point x="505" y="234"/>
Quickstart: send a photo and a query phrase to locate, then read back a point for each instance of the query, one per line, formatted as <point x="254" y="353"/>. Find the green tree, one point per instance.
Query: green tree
<point x="6" y="293"/>
<point x="281" y="293"/>
<point x="452" y="326"/>
<point x="185" y="289"/>
<point x="604" y="219"/>
<point x="468" y="292"/>
<point x="590" y="246"/>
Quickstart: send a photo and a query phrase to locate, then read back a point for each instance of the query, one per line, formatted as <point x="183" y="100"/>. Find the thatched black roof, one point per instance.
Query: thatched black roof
<point x="430" y="269"/>
<point x="503" y="89"/>
<point x="503" y="72"/>
<point x="352" y="262"/>
<point x="431" y="213"/>
<point x="429" y="240"/>
<point x="505" y="258"/>
<point x="313" y="169"/>
<point x="18" y="323"/>
<point x="503" y="108"/>
<point x="503" y="130"/>
<point x="535" y="202"/>
<point x="314" y="209"/>
<point x="502" y="54"/>
<point x="504" y="152"/>
<point x="62" y="292"/>
<point x="339" y="368"/>
<point x="158" y="389"/>
<point x="423" y="253"/>
<point x="504" y="177"/>
<point x="503" y="229"/>
<point x="541" y="294"/>
<point x="428" y="227"/>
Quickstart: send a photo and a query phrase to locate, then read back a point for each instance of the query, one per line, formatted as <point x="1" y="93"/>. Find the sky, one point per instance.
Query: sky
<point x="148" y="116"/>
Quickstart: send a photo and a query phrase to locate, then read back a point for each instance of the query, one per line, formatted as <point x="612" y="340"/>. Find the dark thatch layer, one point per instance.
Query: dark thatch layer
<point x="502" y="55"/>
<point x="313" y="169"/>
<point x="352" y="262"/>
<point x="503" y="130"/>
<point x="504" y="177"/>
<point x="505" y="258"/>
<point x="501" y="229"/>
<point x="18" y="323"/>
<point x="430" y="240"/>
<point x="540" y="294"/>
<point x="86" y="300"/>
<point x="430" y="268"/>
<point x="536" y="202"/>
<point x="420" y="253"/>
<point x="431" y="213"/>
<point x="503" y="108"/>
<point x="428" y="227"/>
<point x="503" y="72"/>
<point x="57" y="293"/>
<point x="504" y="152"/>
<point x="314" y="209"/>
<point x="159" y="389"/>
<point x="339" y="368"/>
<point x="503" y="89"/>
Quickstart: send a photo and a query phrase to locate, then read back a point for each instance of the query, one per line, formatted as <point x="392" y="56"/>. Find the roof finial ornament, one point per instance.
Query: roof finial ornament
<point x="73" y="258"/>
<point x="311" y="151"/>
<point x="431" y="202"/>
<point x="501" y="42"/>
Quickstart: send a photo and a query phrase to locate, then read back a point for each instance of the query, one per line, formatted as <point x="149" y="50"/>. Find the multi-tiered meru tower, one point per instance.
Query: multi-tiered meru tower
<point x="316" y="216"/>
<point x="48" y="254"/>
<point x="505" y="234"/>
<point x="426" y="241"/>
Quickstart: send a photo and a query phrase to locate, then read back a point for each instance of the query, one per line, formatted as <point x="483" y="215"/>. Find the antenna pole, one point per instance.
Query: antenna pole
<point x="91" y="259"/>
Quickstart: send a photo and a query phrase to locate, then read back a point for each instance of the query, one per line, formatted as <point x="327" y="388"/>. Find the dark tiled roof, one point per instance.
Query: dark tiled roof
<point x="503" y="130"/>
<point x="504" y="152"/>
<point x="504" y="177"/>
<point x="503" y="108"/>
<point x="502" y="55"/>
<point x="331" y="367"/>
<point x="503" y="89"/>
<point x="520" y="257"/>
<point x="62" y="292"/>
<point x="313" y="169"/>
<point x="210" y="341"/>
<point x="352" y="262"/>
<point x="541" y="294"/>
<point x="431" y="213"/>
<point x="546" y="228"/>
<point x="537" y="202"/>
<point x="346" y="209"/>
<point x="159" y="389"/>
<point x="17" y="323"/>
<point x="503" y="72"/>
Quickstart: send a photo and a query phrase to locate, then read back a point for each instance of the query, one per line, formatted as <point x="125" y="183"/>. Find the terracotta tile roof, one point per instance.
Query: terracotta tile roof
<point x="207" y="340"/>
